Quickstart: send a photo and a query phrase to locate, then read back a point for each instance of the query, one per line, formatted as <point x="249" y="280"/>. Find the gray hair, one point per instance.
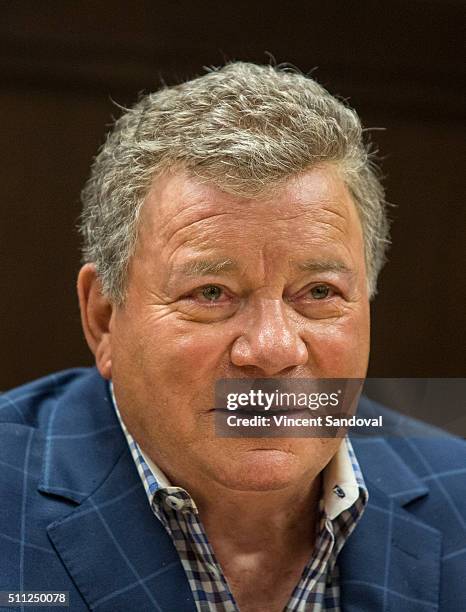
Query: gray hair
<point x="243" y="127"/>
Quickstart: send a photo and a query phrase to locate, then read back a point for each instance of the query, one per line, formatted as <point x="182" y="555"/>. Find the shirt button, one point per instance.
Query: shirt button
<point x="339" y="492"/>
<point x="174" y="502"/>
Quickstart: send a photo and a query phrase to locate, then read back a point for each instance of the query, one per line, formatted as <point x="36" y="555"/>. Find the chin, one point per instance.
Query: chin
<point x="261" y="469"/>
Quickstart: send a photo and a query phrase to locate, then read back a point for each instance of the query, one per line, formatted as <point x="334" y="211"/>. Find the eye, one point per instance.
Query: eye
<point x="319" y="301"/>
<point x="209" y="303"/>
<point x="212" y="293"/>
<point x="320" y="292"/>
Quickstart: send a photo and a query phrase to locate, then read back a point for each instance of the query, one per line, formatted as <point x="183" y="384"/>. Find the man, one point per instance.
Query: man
<point x="233" y="227"/>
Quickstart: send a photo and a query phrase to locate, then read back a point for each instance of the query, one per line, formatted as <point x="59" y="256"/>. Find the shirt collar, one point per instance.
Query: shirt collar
<point x="343" y="482"/>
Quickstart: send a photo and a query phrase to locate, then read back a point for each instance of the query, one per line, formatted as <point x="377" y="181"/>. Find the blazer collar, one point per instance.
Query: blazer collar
<point x="83" y="439"/>
<point x="384" y="469"/>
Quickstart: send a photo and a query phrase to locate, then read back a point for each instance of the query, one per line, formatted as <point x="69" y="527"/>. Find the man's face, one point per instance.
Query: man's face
<point x="229" y="287"/>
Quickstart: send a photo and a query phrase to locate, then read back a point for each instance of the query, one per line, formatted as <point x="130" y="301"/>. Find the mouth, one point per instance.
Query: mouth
<point x="246" y="411"/>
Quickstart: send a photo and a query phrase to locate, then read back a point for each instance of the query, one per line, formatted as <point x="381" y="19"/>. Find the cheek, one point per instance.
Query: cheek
<point x="165" y="367"/>
<point x="339" y="348"/>
<point x="181" y="352"/>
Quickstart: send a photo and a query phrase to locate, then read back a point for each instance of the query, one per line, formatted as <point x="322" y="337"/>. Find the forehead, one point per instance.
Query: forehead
<point x="182" y="215"/>
<point x="179" y="198"/>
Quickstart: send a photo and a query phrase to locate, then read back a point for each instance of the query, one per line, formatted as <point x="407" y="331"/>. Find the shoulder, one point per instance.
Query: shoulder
<point x="30" y="404"/>
<point x="418" y="471"/>
<point x="27" y="413"/>
<point x="31" y="417"/>
<point x="411" y="455"/>
<point x="401" y="432"/>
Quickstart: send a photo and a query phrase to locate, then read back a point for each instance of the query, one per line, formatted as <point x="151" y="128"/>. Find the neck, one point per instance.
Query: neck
<point x="259" y="520"/>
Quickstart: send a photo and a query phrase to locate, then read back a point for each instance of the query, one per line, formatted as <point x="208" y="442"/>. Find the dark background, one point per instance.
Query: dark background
<point x="399" y="63"/>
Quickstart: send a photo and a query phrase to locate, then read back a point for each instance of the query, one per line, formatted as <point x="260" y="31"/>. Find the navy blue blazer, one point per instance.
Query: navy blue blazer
<point x="74" y="515"/>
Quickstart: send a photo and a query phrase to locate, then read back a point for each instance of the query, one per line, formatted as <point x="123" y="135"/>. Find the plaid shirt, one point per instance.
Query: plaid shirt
<point x="341" y="506"/>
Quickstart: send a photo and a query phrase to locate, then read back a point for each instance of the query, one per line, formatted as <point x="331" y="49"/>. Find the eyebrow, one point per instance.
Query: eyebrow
<point x="204" y="267"/>
<point x="328" y="265"/>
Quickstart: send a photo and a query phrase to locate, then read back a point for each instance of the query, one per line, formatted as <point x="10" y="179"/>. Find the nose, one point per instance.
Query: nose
<point x="271" y="341"/>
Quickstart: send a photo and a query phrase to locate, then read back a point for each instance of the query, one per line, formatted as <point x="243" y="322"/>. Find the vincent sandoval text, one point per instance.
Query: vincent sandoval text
<point x="287" y="421"/>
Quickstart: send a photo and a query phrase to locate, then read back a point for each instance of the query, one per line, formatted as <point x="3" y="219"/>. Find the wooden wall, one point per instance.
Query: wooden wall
<point x="62" y="63"/>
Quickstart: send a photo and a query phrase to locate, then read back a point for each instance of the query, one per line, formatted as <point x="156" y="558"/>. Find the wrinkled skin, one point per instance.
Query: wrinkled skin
<point x="265" y="314"/>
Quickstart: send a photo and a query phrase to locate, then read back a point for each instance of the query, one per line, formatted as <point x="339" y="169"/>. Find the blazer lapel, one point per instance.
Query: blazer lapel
<point x="118" y="554"/>
<point x="392" y="560"/>
<point x="115" y="550"/>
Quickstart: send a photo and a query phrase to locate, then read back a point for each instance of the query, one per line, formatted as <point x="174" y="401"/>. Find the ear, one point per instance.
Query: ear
<point x="96" y="314"/>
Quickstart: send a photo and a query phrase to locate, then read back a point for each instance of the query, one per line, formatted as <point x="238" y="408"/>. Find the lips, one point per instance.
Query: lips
<point x="250" y="411"/>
